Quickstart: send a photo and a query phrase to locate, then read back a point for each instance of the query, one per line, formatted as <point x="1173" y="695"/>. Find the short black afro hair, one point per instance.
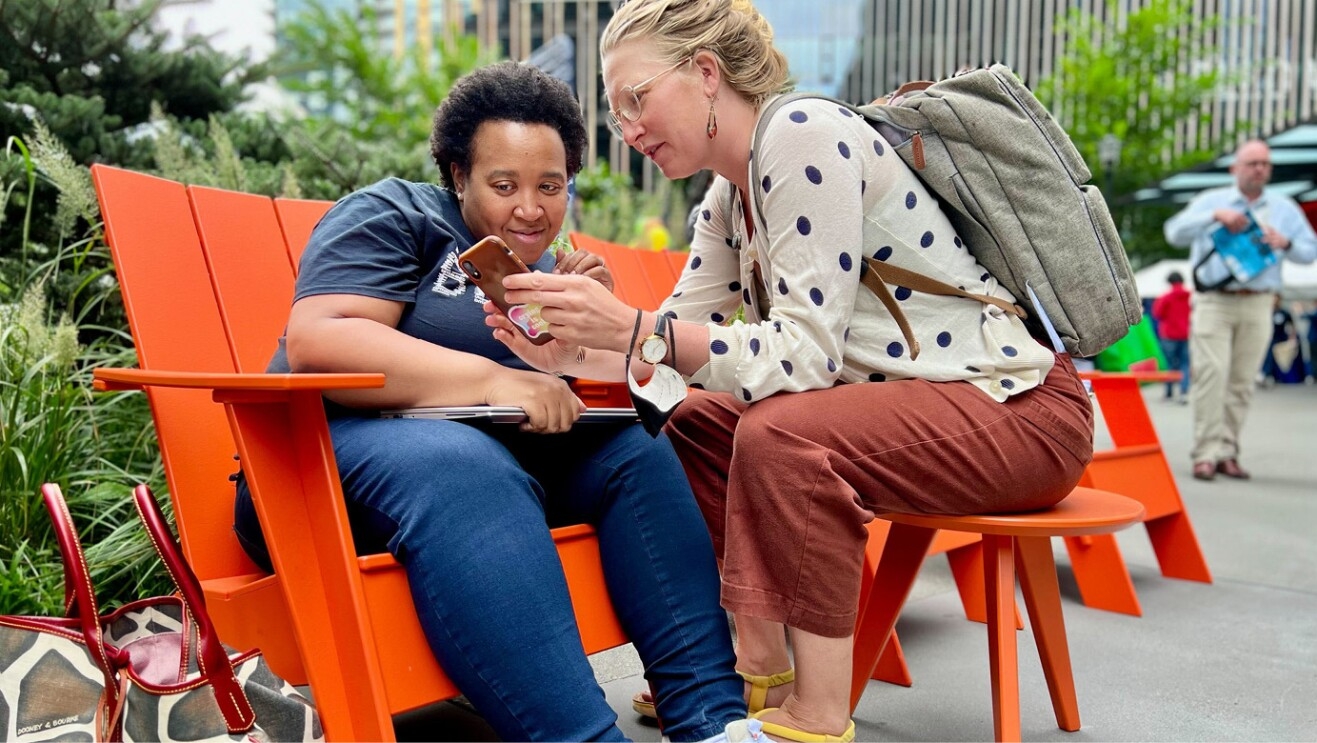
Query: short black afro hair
<point x="506" y="91"/>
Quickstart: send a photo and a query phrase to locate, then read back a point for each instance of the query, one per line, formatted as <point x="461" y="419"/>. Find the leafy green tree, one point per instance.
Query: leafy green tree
<point x="610" y="207"/>
<point x="372" y="111"/>
<point x="1137" y="82"/>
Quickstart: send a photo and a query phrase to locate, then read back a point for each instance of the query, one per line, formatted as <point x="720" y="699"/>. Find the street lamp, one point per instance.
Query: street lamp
<point x="1109" y="156"/>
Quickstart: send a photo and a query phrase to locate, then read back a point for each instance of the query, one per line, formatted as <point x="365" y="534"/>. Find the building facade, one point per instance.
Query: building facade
<point x="858" y="50"/>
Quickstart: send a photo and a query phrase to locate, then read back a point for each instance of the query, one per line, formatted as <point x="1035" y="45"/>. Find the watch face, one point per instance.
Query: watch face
<point x="653" y="349"/>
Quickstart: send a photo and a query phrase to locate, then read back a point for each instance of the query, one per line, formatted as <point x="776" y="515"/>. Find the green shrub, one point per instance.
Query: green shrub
<point x="95" y="446"/>
<point x="53" y="428"/>
<point x="609" y="206"/>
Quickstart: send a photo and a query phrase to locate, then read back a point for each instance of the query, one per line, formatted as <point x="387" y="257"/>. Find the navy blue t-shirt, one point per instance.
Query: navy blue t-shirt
<point x="399" y="241"/>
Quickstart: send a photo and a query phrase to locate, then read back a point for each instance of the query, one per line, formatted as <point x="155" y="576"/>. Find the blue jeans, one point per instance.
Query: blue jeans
<point x="1177" y="359"/>
<point x="466" y="509"/>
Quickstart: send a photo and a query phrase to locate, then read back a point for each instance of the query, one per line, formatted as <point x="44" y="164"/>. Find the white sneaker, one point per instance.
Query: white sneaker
<point x="740" y="731"/>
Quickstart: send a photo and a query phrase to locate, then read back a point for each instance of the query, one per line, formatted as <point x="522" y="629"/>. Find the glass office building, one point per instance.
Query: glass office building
<point x="820" y="39"/>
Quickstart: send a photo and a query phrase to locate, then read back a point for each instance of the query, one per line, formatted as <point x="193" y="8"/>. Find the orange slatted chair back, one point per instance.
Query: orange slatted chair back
<point x="176" y="326"/>
<point x="297" y="218"/>
<point x="207" y="281"/>
<point x="251" y="278"/>
<point x="642" y="279"/>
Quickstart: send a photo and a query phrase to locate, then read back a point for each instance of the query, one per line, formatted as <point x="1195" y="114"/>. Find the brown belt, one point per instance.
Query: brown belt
<point x="1245" y="292"/>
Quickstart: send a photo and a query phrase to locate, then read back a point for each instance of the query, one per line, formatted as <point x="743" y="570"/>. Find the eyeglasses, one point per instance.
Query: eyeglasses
<point x="628" y="100"/>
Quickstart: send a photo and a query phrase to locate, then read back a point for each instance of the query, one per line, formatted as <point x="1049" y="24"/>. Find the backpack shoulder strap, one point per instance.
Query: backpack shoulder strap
<point x="756" y="142"/>
<point x="919" y="282"/>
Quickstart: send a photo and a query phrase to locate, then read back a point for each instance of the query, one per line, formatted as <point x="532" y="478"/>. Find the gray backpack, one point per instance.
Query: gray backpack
<point x="1012" y="185"/>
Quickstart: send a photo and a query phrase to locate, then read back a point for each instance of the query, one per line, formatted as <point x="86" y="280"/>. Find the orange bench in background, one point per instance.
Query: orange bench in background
<point x="1136" y="467"/>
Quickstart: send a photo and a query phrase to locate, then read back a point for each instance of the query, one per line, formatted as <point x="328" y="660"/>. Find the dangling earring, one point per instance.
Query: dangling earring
<point x="711" y="128"/>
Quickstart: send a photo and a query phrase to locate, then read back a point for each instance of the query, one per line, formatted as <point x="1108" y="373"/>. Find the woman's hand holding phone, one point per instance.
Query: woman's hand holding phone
<point x="581" y="311"/>
<point x="554" y="357"/>
<point x="487" y="263"/>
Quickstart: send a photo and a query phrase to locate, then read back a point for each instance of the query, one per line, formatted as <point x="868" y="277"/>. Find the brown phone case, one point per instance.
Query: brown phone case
<point x="486" y="263"/>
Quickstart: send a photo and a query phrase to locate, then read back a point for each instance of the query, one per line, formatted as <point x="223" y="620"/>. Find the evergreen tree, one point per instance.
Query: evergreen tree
<point x="372" y="111"/>
<point x="89" y="72"/>
<point x="91" y="69"/>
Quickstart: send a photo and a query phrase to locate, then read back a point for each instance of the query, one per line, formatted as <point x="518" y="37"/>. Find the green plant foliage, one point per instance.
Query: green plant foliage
<point x="77" y="274"/>
<point x="88" y="72"/>
<point x="372" y="111"/>
<point x="1137" y="82"/>
<point x="76" y="200"/>
<point x="52" y="427"/>
<point x="20" y="591"/>
<point x="608" y="206"/>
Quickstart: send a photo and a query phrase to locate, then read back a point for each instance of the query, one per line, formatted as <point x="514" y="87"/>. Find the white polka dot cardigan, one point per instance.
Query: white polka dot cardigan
<point x="834" y="192"/>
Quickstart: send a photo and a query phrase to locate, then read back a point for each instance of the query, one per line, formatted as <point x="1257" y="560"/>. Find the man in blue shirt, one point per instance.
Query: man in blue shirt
<point x="1231" y="324"/>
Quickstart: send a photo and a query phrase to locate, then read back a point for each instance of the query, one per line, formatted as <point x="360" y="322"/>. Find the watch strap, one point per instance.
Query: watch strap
<point x="660" y="332"/>
<point x="661" y="325"/>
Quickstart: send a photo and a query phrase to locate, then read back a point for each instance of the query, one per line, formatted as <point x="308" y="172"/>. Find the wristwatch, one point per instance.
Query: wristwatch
<point x="654" y="347"/>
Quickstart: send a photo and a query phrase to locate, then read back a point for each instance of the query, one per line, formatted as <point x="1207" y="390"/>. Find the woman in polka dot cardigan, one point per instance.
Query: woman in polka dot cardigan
<point x="811" y="414"/>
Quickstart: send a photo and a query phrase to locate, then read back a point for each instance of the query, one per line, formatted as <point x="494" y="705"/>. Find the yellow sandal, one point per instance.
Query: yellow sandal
<point x="759" y="686"/>
<point x="643" y="701"/>
<point x="782" y="732"/>
<point x="643" y="704"/>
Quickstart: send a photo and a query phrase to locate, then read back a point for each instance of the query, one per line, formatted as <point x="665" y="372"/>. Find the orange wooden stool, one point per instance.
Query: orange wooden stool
<point x="1005" y="536"/>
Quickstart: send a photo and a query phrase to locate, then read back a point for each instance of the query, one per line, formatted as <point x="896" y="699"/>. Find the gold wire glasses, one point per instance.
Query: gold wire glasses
<point x="629" y="103"/>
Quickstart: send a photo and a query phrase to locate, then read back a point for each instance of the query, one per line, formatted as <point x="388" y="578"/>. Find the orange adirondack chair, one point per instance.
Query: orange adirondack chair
<point x="1135" y="467"/>
<point x="203" y="321"/>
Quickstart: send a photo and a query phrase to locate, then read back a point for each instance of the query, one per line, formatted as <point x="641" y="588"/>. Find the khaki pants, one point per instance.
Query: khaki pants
<point x="787" y="484"/>
<point x="1229" y="335"/>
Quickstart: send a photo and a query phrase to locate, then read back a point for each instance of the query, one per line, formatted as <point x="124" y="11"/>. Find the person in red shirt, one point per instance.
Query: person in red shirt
<point x="1171" y="311"/>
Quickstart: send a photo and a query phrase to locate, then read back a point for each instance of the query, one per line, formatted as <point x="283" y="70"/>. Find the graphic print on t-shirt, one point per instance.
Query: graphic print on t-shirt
<point x="451" y="281"/>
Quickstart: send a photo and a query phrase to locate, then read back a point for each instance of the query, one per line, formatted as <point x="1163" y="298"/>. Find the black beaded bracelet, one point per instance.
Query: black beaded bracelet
<point x="635" y="333"/>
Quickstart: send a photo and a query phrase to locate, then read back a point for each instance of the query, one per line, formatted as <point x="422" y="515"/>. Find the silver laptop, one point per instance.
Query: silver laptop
<point x="497" y="414"/>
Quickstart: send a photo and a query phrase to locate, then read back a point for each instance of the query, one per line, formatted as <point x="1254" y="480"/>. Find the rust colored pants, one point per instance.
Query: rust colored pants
<point x="787" y="484"/>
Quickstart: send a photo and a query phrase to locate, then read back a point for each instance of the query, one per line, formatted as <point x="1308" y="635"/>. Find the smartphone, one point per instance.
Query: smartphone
<point x="487" y="262"/>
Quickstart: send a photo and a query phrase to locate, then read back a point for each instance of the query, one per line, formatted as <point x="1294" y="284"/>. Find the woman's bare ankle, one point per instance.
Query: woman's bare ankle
<point x="765" y="663"/>
<point x="793" y="714"/>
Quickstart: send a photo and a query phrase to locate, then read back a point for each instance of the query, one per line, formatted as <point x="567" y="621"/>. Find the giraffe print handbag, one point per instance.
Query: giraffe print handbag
<point x="153" y="669"/>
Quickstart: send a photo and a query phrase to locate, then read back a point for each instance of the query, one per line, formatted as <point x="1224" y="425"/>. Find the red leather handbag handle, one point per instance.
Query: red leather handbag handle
<point x="214" y="661"/>
<point x="79" y="598"/>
